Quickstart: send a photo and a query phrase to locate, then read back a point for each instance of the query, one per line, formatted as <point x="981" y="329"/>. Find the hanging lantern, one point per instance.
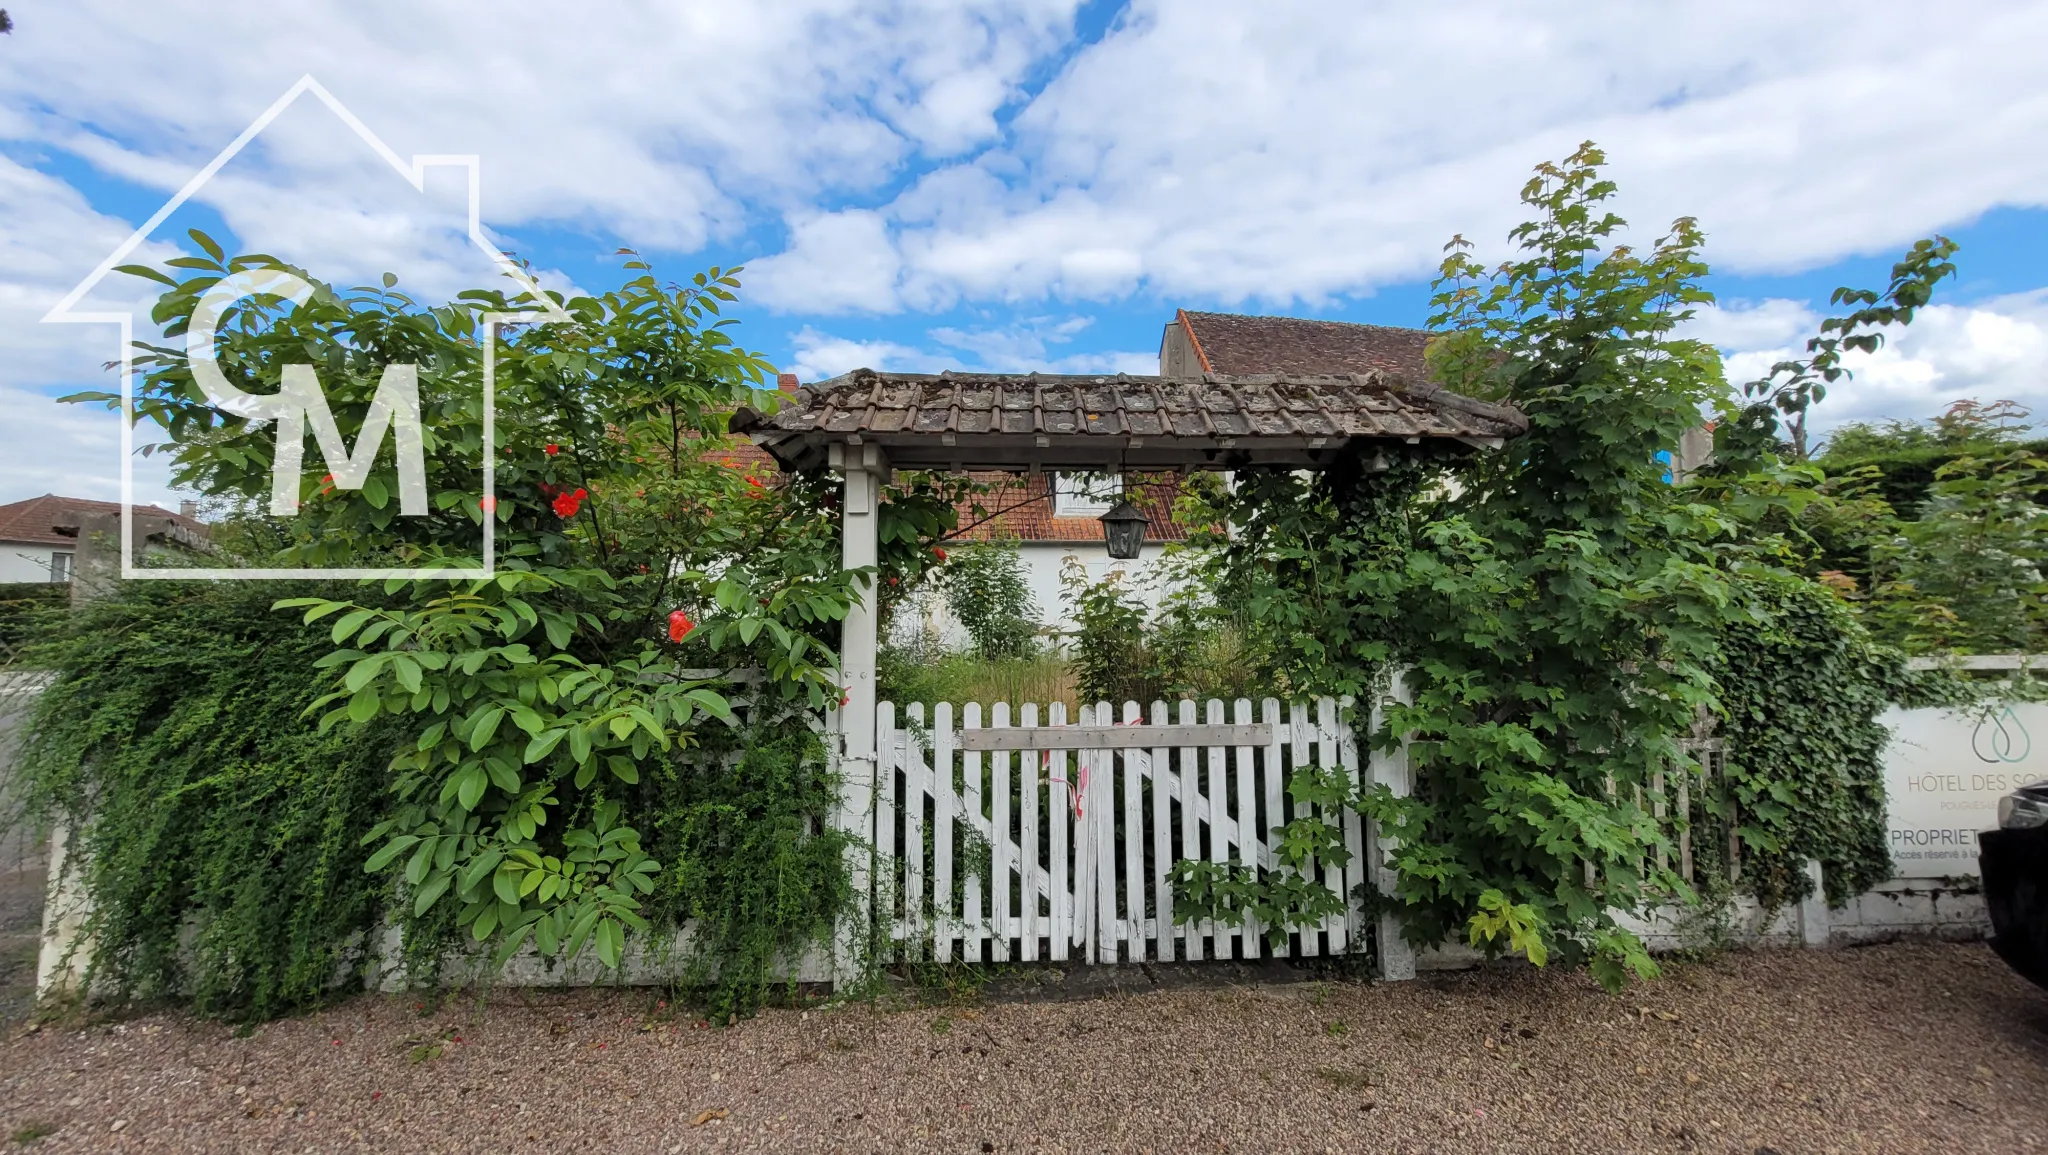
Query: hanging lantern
<point x="1123" y="530"/>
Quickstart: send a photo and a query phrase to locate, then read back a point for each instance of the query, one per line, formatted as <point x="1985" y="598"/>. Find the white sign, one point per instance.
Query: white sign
<point x="1944" y="773"/>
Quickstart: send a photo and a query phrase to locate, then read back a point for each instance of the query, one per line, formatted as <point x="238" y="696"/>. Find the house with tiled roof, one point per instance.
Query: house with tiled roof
<point x="1326" y="381"/>
<point x="39" y="537"/>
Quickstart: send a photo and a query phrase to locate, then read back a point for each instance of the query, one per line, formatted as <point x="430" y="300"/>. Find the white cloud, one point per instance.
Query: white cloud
<point x="1292" y="151"/>
<point x="1024" y="347"/>
<point x="836" y="263"/>
<point x="655" y="121"/>
<point x="1994" y="350"/>
<point x="822" y="355"/>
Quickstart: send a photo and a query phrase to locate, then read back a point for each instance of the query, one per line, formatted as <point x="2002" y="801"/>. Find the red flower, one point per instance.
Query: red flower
<point x="567" y="504"/>
<point x="753" y="481"/>
<point x="679" y="626"/>
<point x="551" y="449"/>
<point x="938" y="553"/>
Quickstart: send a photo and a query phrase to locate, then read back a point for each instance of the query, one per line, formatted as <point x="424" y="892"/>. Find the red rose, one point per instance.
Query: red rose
<point x="938" y="553"/>
<point x="567" y="504"/>
<point x="679" y="626"/>
<point x="551" y="449"/>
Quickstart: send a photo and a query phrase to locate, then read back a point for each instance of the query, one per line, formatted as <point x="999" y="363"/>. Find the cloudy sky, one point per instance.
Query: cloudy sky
<point x="1018" y="184"/>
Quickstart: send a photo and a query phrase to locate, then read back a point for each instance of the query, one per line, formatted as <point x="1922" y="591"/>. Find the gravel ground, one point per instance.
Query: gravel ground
<point x="1892" y="1049"/>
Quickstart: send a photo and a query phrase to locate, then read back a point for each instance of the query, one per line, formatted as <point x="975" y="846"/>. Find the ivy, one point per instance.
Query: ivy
<point x="550" y="766"/>
<point x="1564" y="614"/>
<point x="217" y="830"/>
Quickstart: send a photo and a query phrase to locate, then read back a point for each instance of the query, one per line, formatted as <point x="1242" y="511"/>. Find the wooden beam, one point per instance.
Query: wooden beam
<point x="1114" y="737"/>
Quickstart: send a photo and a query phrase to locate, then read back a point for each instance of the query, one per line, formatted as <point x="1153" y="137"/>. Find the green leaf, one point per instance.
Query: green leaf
<point x="387" y="853"/>
<point x="429" y="893"/>
<point x="147" y="272"/>
<point x="471" y="786"/>
<point x="485" y="727"/>
<point x="544" y="744"/>
<point x="207" y="243"/>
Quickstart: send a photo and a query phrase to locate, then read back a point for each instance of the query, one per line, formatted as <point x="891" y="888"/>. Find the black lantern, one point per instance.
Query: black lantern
<point x="1123" y="530"/>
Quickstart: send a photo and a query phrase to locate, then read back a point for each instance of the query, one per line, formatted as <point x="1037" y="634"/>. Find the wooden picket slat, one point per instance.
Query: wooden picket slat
<point x="1354" y="832"/>
<point x="1059" y="809"/>
<point x="1027" y="827"/>
<point x="915" y="786"/>
<point x="1334" y="926"/>
<point x="945" y="925"/>
<point x="1301" y="752"/>
<point x="1190" y="827"/>
<point x="888" y="754"/>
<point x="1275" y="783"/>
<point x="1247" y="824"/>
<point x="1102" y="826"/>
<point x="973" y="924"/>
<point x="1162" y="844"/>
<point x="1000" y="847"/>
<point x="1133" y="922"/>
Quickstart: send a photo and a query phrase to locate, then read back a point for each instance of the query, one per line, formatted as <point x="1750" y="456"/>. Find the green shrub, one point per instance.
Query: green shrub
<point x="983" y="584"/>
<point x="28" y="610"/>
<point x="203" y="801"/>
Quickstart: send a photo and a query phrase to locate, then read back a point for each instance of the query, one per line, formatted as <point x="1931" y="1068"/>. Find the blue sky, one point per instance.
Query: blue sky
<point x="1033" y="184"/>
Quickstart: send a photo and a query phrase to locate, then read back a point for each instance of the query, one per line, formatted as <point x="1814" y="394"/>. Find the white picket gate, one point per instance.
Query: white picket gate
<point x="1040" y="841"/>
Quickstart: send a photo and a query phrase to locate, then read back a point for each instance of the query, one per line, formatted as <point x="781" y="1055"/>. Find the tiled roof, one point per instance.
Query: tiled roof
<point x="975" y="421"/>
<point x="1021" y="506"/>
<point x="34" y="521"/>
<point x="1229" y="343"/>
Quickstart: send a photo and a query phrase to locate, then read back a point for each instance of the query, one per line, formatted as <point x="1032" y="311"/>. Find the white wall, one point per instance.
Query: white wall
<point x="26" y="561"/>
<point x="1042" y="565"/>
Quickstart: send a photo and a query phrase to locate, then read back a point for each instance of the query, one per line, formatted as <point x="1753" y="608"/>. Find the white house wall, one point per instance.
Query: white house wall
<point x="26" y="561"/>
<point x="1043" y="563"/>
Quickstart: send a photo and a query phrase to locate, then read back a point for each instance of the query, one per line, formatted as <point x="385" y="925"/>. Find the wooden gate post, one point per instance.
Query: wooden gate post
<point x="865" y="471"/>
<point x="1390" y="769"/>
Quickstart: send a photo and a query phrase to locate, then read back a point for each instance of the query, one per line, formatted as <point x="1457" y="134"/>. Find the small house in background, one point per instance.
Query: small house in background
<point x="39" y="537"/>
<point x="1052" y="516"/>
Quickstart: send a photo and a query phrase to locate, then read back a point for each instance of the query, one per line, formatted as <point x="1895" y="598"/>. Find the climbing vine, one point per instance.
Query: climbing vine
<point x="1563" y="614"/>
<point x="556" y="753"/>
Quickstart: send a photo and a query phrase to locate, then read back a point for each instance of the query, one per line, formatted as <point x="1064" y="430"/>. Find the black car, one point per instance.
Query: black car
<point x="2014" y="862"/>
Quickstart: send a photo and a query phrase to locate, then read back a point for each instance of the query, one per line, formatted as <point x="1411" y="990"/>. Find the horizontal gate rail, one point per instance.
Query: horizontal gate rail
<point x="1113" y="737"/>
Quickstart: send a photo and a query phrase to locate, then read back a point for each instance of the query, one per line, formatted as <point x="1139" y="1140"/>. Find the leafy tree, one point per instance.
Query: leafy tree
<point x="549" y="727"/>
<point x="983" y="583"/>
<point x="1555" y="610"/>
<point x="1794" y="387"/>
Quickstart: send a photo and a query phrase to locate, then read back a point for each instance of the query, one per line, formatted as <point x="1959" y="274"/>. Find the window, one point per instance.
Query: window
<point x="1085" y="494"/>
<point x="60" y="567"/>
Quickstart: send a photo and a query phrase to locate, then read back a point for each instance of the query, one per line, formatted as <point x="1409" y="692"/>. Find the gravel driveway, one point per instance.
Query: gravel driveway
<point x="1893" y="1049"/>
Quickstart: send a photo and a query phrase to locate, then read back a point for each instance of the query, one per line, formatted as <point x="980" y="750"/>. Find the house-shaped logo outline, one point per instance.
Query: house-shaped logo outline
<point x="414" y="174"/>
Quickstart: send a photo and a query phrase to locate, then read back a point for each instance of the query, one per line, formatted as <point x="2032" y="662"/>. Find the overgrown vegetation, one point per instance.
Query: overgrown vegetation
<point x="983" y="584"/>
<point x="1563" y="614"/>
<point x="530" y="758"/>
<point x="217" y="809"/>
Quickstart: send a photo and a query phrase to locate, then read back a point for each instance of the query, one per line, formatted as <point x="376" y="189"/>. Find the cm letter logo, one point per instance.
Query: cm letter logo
<point x="299" y="400"/>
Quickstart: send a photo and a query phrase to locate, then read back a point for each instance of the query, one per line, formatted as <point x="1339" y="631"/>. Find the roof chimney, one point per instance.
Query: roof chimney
<point x="787" y="382"/>
<point x="188" y="509"/>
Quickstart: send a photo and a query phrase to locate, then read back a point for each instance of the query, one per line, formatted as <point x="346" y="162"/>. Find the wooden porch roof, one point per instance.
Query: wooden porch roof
<point x="1019" y="422"/>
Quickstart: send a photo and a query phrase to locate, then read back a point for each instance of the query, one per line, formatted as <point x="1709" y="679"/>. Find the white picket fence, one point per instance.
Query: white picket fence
<point x="1030" y="845"/>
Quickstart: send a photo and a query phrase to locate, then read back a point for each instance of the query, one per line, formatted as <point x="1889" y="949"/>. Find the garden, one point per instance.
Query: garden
<point x="624" y="733"/>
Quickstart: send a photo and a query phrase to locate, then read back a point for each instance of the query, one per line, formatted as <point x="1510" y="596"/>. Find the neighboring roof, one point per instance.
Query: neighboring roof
<point x="1021" y="507"/>
<point x="993" y="421"/>
<point x="1231" y="344"/>
<point x="34" y="521"/>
